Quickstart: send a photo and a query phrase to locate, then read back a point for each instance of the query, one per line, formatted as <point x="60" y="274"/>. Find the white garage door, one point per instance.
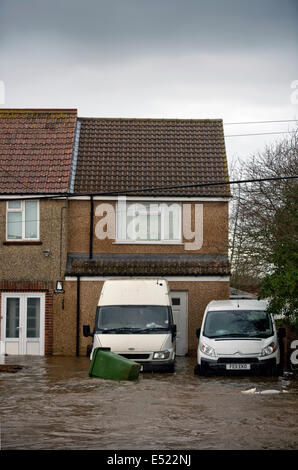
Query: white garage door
<point x="179" y="305"/>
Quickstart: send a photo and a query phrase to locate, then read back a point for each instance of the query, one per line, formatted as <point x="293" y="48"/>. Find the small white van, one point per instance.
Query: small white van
<point x="134" y="319"/>
<point x="238" y="335"/>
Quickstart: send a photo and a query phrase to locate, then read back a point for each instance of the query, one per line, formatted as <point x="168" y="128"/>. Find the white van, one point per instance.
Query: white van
<point x="238" y="335"/>
<point x="134" y="319"/>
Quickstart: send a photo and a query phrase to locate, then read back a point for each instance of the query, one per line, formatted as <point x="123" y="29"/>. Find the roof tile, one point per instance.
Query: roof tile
<point x="36" y="149"/>
<point x="121" y="154"/>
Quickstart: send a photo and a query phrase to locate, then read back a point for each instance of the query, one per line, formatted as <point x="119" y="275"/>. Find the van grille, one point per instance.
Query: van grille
<point x="237" y="360"/>
<point x="136" y="356"/>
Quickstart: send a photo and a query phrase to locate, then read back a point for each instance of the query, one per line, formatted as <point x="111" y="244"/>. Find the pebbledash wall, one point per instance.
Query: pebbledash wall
<point x="28" y="267"/>
<point x="69" y="317"/>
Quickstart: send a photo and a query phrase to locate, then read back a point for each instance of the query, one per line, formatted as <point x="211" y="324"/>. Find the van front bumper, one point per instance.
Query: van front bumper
<point x="157" y="366"/>
<point x="150" y="364"/>
<point x="220" y="365"/>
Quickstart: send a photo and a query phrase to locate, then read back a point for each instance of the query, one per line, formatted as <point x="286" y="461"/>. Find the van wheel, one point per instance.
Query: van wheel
<point x="272" y="371"/>
<point x="275" y="370"/>
<point x="197" y="369"/>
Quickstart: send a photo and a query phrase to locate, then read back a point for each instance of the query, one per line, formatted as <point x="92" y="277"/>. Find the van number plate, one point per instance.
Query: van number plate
<point x="238" y="366"/>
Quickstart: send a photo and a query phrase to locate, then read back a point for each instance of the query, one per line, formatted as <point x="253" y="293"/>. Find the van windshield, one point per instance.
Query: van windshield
<point x="133" y="318"/>
<point x="238" y="323"/>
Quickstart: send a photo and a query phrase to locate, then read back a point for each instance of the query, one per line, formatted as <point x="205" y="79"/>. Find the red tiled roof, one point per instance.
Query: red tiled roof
<point x="120" y="154"/>
<point x="36" y="148"/>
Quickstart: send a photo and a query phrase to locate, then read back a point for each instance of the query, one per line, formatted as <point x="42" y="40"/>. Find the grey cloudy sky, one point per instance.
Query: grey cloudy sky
<point x="229" y="59"/>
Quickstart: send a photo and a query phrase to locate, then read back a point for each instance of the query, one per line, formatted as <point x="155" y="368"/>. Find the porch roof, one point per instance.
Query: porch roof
<point x="145" y="264"/>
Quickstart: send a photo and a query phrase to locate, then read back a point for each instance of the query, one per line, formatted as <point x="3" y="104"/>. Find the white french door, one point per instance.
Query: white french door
<point x="22" y="323"/>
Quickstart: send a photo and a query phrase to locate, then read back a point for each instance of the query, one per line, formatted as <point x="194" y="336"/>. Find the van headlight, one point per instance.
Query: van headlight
<point x="207" y="349"/>
<point x="269" y="349"/>
<point x="161" y="355"/>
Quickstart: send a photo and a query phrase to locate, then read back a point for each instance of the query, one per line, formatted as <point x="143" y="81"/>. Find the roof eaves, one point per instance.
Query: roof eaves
<point x="37" y="110"/>
<point x="147" y="119"/>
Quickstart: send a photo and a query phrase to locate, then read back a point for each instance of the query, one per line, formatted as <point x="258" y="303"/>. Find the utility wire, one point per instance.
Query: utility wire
<point x="231" y="135"/>
<point x="261" y="133"/>
<point x="186" y="186"/>
<point x="67" y="195"/>
<point x="258" y="122"/>
<point x="151" y="189"/>
<point x="15" y="177"/>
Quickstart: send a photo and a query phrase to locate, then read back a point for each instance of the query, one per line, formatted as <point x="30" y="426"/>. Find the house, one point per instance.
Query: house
<point x="88" y="199"/>
<point x="125" y="221"/>
<point x="36" y="151"/>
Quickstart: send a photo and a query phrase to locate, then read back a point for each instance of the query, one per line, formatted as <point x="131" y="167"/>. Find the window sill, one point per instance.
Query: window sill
<point x="22" y="242"/>
<point x="144" y="242"/>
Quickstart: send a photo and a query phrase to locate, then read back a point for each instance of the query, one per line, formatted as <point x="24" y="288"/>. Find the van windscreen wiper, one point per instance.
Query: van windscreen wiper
<point x="116" y="330"/>
<point x="130" y="329"/>
<point x="154" y="328"/>
<point x="231" y="335"/>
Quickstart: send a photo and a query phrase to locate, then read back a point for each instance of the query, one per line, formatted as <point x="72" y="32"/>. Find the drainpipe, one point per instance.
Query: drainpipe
<point x="78" y="316"/>
<point x="61" y="235"/>
<point x="91" y="227"/>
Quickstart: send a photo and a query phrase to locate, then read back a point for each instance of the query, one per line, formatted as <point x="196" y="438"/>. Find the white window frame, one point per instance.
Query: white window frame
<point x="23" y="339"/>
<point x="161" y="210"/>
<point x="22" y="210"/>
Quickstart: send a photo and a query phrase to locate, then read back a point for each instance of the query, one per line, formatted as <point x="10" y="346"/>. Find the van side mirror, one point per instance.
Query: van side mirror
<point x="86" y="331"/>
<point x="174" y="331"/>
<point x="198" y="332"/>
<point x="281" y="332"/>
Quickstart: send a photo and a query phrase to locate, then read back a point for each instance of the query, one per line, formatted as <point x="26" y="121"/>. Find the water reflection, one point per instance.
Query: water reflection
<point x="52" y="403"/>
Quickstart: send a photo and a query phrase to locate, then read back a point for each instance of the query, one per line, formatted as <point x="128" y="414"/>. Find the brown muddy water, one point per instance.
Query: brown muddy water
<point x="53" y="404"/>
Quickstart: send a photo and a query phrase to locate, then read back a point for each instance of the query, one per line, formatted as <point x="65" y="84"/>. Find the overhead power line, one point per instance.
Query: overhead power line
<point x="67" y="195"/>
<point x="174" y="187"/>
<point x="188" y="186"/>
<point x="122" y="192"/>
<point x="261" y="133"/>
<point x="15" y="177"/>
<point x="171" y="187"/>
<point x="257" y="122"/>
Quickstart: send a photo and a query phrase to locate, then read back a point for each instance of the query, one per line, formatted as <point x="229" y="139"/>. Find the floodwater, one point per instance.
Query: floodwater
<point x="53" y="404"/>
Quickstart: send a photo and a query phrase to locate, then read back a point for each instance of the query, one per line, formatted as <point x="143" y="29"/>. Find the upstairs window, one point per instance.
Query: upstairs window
<point x="22" y="220"/>
<point x="149" y="222"/>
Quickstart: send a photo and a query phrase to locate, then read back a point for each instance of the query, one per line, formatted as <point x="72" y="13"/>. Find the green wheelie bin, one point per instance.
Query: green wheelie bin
<point x="108" y="365"/>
